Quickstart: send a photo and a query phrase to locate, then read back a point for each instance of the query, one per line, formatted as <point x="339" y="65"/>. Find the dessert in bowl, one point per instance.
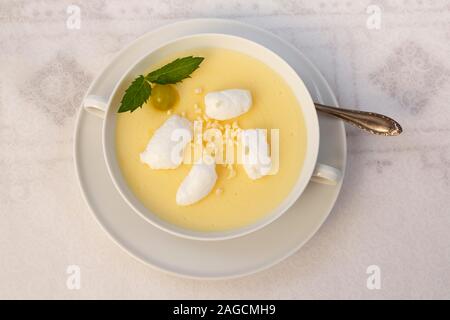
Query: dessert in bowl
<point x="238" y="88"/>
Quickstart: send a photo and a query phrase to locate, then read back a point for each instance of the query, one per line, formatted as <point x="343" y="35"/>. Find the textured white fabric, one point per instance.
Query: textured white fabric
<point x="394" y="207"/>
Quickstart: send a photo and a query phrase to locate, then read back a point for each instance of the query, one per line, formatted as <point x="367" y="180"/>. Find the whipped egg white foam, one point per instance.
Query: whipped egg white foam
<point x="159" y="152"/>
<point x="219" y="105"/>
<point x="198" y="183"/>
<point x="227" y="104"/>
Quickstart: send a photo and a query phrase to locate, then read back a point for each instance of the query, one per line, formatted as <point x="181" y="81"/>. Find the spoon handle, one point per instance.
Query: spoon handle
<point x="369" y="121"/>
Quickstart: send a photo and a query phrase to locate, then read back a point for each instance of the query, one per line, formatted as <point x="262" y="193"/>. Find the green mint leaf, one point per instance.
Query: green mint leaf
<point x="175" y="71"/>
<point x="136" y="95"/>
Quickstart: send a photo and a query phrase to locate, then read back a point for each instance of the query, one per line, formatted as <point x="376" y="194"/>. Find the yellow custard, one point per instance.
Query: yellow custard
<point x="234" y="202"/>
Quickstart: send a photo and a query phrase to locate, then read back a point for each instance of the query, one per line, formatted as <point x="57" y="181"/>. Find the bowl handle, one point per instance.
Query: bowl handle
<point x="326" y="174"/>
<point x="95" y="105"/>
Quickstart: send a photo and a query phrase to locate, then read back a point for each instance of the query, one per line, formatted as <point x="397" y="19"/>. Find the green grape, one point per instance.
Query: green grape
<point x="164" y="96"/>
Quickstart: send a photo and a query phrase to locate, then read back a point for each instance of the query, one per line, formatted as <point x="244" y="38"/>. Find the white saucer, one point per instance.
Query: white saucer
<point x="203" y="259"/>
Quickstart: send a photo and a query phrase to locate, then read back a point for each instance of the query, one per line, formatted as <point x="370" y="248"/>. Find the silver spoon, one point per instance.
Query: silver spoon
<point x="369" y="121"/>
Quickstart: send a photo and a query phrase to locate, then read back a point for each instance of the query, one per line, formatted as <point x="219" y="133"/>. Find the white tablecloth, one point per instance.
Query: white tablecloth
<point x="394" y="209"/>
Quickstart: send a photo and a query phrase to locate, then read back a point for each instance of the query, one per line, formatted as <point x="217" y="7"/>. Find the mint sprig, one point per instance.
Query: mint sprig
<point x="175" y="71"/>
<point x="136" y="95"/>
<point x="140" y="89"/>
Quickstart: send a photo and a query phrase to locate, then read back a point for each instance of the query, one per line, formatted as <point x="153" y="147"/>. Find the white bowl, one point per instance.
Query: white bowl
<point x="239" y="44"/>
